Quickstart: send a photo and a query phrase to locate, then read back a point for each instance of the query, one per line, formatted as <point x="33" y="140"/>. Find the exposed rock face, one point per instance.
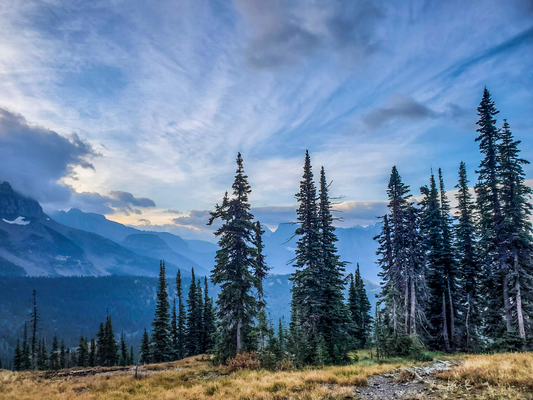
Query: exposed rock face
<point x="13" y="205"/>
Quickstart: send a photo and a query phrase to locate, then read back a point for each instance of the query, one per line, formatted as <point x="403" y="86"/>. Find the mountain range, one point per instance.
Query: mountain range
<point x="76" y="243"/>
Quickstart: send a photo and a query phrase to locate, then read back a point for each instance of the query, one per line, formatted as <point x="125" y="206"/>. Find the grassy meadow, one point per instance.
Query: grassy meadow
<point x="500" y="376"/>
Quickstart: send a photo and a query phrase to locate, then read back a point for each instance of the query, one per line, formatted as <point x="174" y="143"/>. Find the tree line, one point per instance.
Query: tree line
<point x="462" y="281"/>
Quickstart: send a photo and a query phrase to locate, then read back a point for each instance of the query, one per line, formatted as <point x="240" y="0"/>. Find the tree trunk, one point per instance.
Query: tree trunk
<point x="507" y="302"/>
<point x="413" y="307"/>
<point x="519" y="313"/>
<point x="452" y="317"/>
<point x="239" y="340"/>
<point x="445" y="324"/>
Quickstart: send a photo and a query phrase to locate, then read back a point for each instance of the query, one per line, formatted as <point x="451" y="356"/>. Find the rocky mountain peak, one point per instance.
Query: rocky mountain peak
<point x="14" y="205"/>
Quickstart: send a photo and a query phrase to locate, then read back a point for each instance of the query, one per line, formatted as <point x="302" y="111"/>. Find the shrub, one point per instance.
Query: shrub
<point x="243" y="361"/>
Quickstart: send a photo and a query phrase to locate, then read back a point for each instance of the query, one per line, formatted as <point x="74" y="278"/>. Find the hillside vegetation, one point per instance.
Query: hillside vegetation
<point x="500" y="376"/>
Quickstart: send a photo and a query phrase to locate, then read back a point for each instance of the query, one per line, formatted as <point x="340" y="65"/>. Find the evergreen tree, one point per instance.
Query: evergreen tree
<point x="124" y="356"/>
<point x="101" y="346"/>
<point x="200" y="320"/>
<point x="181" y="318"/>
<point x="497" y="301"/>
<point x="239" y="271"/>
<point x="35" y="318"/>
<point x="42" y="356"/>
<point x="145" y="357"/>
<point x="25" y="363"/>
<point x="355" y="307"/>
<point x="517" y="228"/>
<point x="161" y="341"/>
<point x="335" y="324"/>
<point x="174" y="332"/>
<point x="194" y="318"/>
<point x="307" y="282"/>
<point x="209" y="319"/>
<point x="365" y="319"/>
<point x="62" y="355"/>
<point x="282" y="338"/>
<point x="82" y="353"/>
<point x="468" y="262"/>
<point x="17" y="360"/>
<point x="54" y="355"/>
<point x="92" y="353"/>
<point x="131" y="359"/>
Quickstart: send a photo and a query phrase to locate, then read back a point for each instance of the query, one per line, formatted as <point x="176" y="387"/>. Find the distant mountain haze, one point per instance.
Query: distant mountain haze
<point x="79" y="243"/>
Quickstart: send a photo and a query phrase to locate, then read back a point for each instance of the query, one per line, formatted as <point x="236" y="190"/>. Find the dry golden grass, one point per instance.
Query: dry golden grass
<point x="191" y="379"/>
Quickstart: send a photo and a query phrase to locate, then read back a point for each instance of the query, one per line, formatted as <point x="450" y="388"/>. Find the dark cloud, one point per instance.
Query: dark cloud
<point x="400" y="107"/>
<point x="196" y="218"/>
<point x="172" y="211"/>
<point x="33" y="159"/>
<point x="286" y="31"/>
<point x="145" y="222"/>
<point x="114" y="202"/>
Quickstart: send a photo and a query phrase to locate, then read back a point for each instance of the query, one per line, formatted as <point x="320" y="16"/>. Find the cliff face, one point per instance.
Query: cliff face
<point x="14" y="205"/>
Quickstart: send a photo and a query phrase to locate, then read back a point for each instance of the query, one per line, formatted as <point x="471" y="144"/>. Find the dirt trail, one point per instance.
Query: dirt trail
<point x="404" y="383"/>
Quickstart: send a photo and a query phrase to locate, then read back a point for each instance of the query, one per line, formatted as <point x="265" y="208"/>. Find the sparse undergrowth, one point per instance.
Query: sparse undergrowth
<point x="505" y="376"/>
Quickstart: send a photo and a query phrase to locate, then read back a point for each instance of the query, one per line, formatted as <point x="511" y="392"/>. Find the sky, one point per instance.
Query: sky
<point x="137" y="110"/>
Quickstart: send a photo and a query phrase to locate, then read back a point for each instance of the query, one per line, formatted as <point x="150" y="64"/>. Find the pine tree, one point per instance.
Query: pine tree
<point x="282" y="338"/>
<point x="25" y="363"/>
<point x="490" y="223"/>
<point x="62" y="355"/>
<point x="174" y="332"/>
<point x="365" y="319"/>
<point x="145" y="357"/>
<point x="101" y="350"/>
<point x="335" y="324"/>
<point x="92" y="353"/>
<point x="42" y="355"/>
<point x="54" y="355"/>
<point x="34" y="315"/>
<point x="181" y="318"/>
<point x="209" y="319"/>
<point x="161" y="341"/>
<point x="194" y="333"/>
<point x="200" y="320"/>
<point x="307" y="283"/>
<point x="131" y="360"/>
<point x="17" y="360"/>
<point x="468" y="262"/>
<point x="82" y="353"/>
<point x="517" y="228"/>
<point x="238" y="270"/>
<point x="124" y="356"/>
<point x="354" y="306"/>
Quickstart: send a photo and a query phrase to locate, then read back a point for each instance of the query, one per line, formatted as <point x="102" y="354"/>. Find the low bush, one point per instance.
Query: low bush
<point x="245" y="360"/>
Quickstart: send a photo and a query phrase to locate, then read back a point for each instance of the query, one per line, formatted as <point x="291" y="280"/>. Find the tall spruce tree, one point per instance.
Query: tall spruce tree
<point x="161" y="341"/>
<point x="497" y="302"/>
<point x="17" y="359"/>
<point x="82" y="353"/>
<point x="194" y="318"/>
<point x="145" y="357"/>
<point x="307" y="282"/>
<point x="468" y="263"/>
<point x="209" y="319"/>
<point x="181" y="318"/>
<point x="174" y="332"/>
<point x="25" y="352"/>
<point x="335" y="323"/>
<point x="35" y="318"/>
<point x="54" y="355"/>
<point x="200" y="320"/>
<point x="238" y="269"/>
<point x="365" y="319"/>
<point x="517" y="228"/>
<point x="92" y="353"/>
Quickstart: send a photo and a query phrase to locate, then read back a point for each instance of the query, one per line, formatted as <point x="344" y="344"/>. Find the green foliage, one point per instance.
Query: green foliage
<point x="82" y="353"/>
<point x="161" y="342"/>
<point x="239" y="268"/>
<point x="145" y="357"/>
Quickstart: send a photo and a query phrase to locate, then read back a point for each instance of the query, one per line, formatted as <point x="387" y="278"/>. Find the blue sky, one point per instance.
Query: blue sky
<point x="137" y="109"/>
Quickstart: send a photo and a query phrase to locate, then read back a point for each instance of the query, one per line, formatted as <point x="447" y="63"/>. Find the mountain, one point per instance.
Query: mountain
<point x="31" y="243"/>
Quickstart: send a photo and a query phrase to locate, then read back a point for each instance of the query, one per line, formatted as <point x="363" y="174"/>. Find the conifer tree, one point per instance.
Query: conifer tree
<point x="54" y="355"/>
<point x="62" y="355"/>
<point x="517" y="228"/>
<point x="82" y="353"/>
<point x="25" y="363"/>
<point x="497" y="301"/>
<point x="238" y="270"/>
<point x="200" y="319"/>
<point x="145" y="357"/>
<point x="17" y="360"/>
<point x="131" y="359"/>
<point x="365" y="319"/>
<point x="34" y="315"/>
<point x="209" y="319"/>
<point x="282" y="338"/>
<point x="124" y="356"/>
<point x="181" y="318"/>
<point x="335" y="324"/>
<point x="468" y="262"/>
<point x="92" y="353"/>
<point x="161" y="341"/>
<point x="174" y="332"/>
<point x="194" y="332"/>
